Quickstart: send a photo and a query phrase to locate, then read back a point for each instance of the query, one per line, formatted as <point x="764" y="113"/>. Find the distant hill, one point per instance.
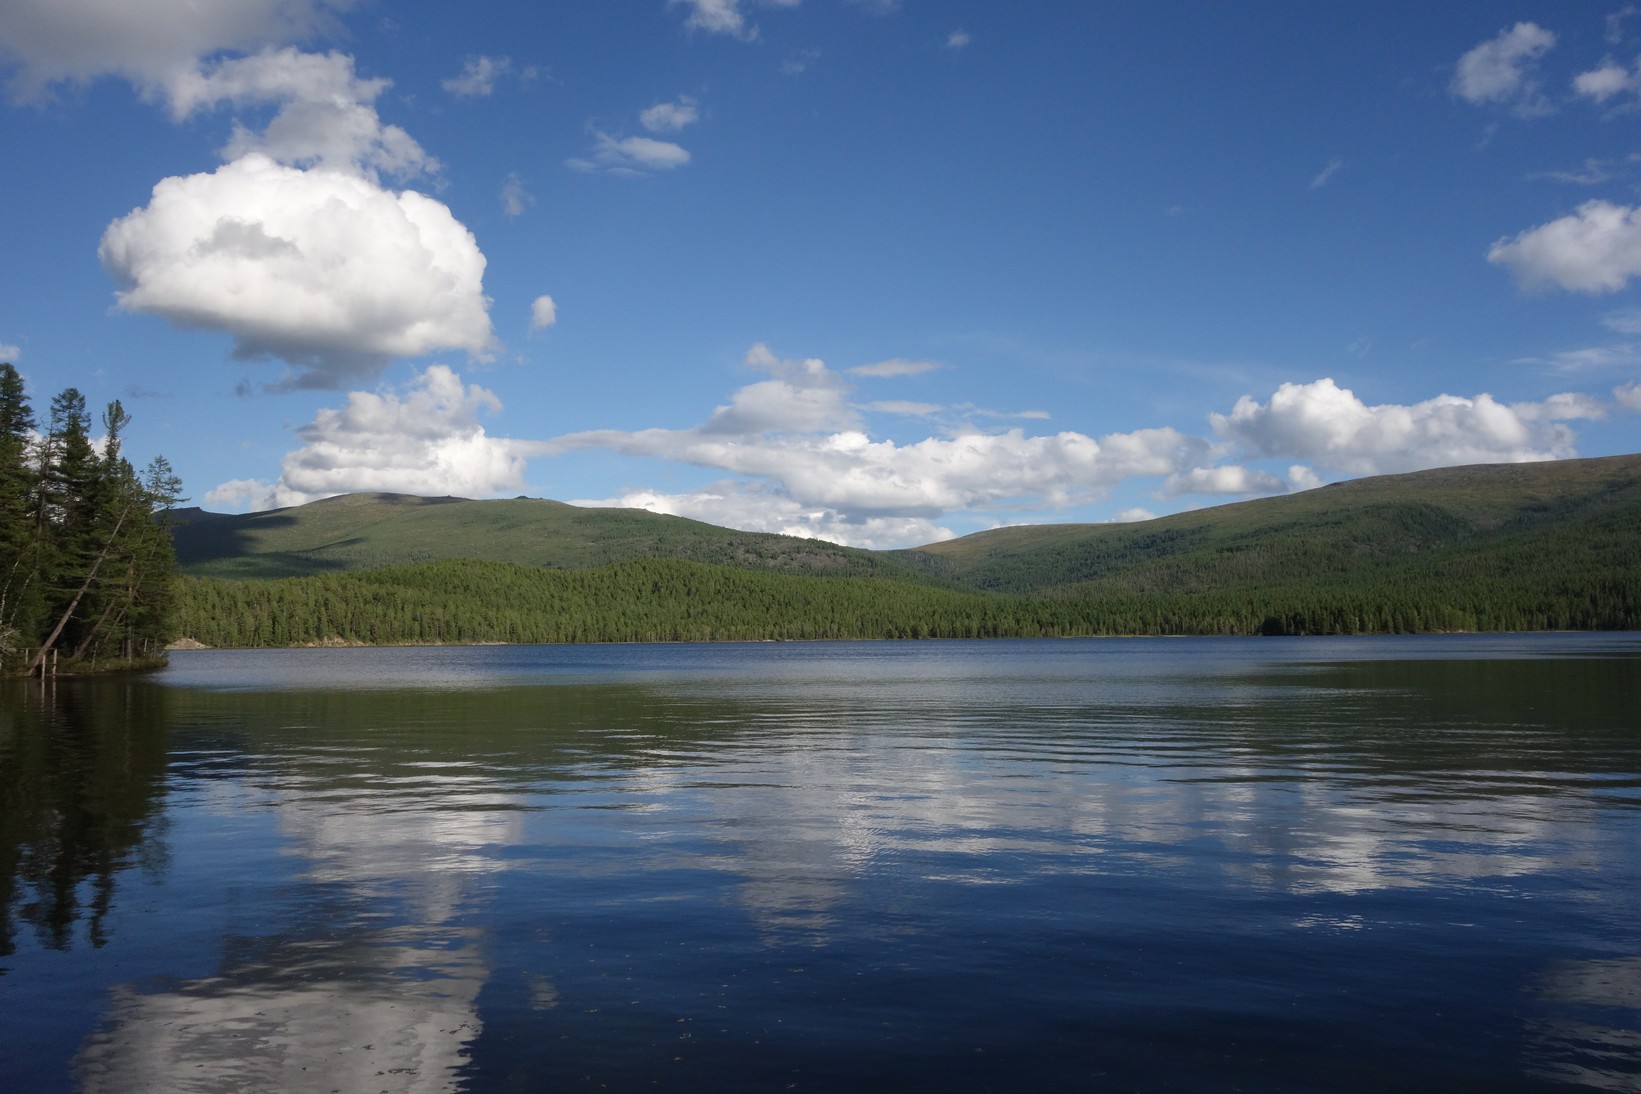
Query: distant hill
<point x="369" y="531"/>
<point x="1570" y="512"/>
<point x="1509" y="547"/>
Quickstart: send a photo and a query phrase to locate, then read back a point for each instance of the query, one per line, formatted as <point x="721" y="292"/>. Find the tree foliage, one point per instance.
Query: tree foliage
<point x="85" y="565"/>
<point x="667" y="600"/>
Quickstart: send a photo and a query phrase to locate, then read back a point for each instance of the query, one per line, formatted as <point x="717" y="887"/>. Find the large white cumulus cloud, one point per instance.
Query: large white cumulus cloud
<point x="427" y="441"/>
<point x="1327" y="424"/>
<point x="294" y="248"/>
<point x="324" y="269"/>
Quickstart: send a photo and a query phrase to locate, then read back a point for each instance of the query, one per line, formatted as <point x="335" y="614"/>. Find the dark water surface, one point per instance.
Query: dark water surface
<point x="1264" y="864"/>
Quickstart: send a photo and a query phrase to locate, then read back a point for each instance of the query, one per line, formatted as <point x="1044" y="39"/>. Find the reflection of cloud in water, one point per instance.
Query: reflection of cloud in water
<point x="817" y="807"/>
<point x="372" y="990"/>
<point x="1597" y="1042"/>
<point x="390" y="1013"/>
<point x="1614" y="982"/>
<point x="799" y="809"/>
<point x="426" y="854"/>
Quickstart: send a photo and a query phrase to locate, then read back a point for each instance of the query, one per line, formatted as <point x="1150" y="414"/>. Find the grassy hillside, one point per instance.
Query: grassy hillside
<point x="368" y="531"/>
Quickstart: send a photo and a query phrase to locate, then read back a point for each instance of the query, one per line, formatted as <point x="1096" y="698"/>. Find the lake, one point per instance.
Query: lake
<point x="1159" y="864"/>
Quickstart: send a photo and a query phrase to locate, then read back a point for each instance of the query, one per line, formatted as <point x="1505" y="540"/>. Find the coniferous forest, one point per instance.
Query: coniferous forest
<point x="1501" y="548"/>
<point x="666" y="600"/>
<point x="89" y="552"/>
<point x="86" y="568"/>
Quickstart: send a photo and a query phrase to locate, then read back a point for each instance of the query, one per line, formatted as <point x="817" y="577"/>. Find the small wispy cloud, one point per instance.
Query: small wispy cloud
<point x="1591" y="358"/>
<point x="670" y="117"/>
<point x="905" y="407"/>
<point x="799" y="63"/>
<point x="1503" y="70"/>
<point x="970" y="410"/>
<point x="1624" y="320"/>
<point x="1327" y="173"/>
<point x="1615" y="23"/>
<point x="479" y="74"/>
<point x="630" y="156"/>
<point x="1594" y="173"/>
<point x="895" y="366"/>
<point x="725" y="16"/>
<point x="543" y="313"/>
<point x="958" y="40"/>
<point x="514" y="197"/>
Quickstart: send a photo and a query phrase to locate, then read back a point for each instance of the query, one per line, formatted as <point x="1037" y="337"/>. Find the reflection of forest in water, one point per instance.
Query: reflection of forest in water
<point x="84" y="767"/>
<point x="83" y="764"/>
<point x="363" y="969"/>
<point x="406" y="816"/>
<point x="82" y="774"/>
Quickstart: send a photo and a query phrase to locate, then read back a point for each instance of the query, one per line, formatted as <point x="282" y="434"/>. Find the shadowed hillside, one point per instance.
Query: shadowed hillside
<point x="368" y="531"/>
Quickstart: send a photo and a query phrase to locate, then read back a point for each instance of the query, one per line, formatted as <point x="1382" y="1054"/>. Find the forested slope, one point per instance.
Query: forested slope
<point x="1525" y="547"/>
<point x="1574" y="516"/>
<point x="640" y="600"/>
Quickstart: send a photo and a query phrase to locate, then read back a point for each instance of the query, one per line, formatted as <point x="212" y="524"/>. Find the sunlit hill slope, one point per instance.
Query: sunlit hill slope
<point x="1522" y="546"/>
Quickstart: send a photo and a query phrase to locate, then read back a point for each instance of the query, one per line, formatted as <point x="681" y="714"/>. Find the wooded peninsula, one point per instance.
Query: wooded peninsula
<point x="100" y="568"/>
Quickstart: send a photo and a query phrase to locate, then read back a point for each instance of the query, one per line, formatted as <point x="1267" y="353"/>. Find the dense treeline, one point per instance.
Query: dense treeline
<point x="645" y="600"/>
<point x="662" y="600"/>
<point x="1531" y="574"/>
<point x="85" y="567"/>
<point x="1496" y="547"/>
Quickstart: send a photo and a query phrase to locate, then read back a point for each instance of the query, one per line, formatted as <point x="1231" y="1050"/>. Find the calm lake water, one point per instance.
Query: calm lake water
<point x="1271" y="864"/>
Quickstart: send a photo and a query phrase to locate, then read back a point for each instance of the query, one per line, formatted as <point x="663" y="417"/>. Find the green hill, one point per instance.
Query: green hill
<point x="1517" y="547"/>
<point x="369" y="531"/>
<point x="1372" y="525"/>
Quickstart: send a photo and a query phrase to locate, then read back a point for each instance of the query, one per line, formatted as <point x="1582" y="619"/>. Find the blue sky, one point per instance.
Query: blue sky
<point x="881" y="272"/>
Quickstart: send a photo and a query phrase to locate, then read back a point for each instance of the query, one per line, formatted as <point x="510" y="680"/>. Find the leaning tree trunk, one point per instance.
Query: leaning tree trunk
<point x="68" y="612"/>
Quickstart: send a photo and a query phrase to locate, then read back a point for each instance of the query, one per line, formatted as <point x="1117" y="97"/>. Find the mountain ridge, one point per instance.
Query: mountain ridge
<point x="1491" y="547"/>
<point x="371" y="530"/>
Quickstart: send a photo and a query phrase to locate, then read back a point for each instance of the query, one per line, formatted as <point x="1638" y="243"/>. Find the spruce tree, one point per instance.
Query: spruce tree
<point x="20" y="599"/>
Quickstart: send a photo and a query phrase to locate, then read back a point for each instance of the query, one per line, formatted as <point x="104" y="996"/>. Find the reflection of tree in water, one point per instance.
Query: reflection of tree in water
<point x="826" y="816"/>
<point x="82" y="768"/>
